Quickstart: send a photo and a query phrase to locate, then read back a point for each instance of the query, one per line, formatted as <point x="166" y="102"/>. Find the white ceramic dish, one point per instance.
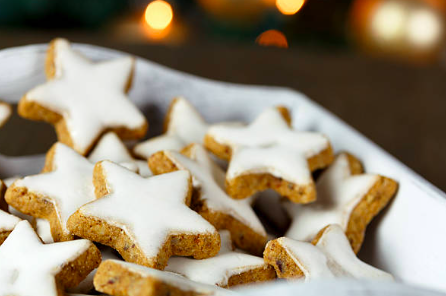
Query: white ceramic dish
<point x="409" y="241"/>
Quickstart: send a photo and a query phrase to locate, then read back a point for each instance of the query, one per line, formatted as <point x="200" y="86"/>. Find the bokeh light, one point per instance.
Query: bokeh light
<point x="424" y="28"/>
<point x="402" y="29"/>
<point x="158" y="14"/>
<point x="272" y="38"/>
<point x="389" y="20"/>
<point x="289" y="7"/>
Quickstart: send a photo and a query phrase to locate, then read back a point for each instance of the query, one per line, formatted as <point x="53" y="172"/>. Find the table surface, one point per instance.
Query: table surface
<point x="401" y="107"/>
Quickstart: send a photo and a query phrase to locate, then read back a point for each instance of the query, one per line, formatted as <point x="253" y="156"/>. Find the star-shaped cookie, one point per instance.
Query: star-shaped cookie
<point x="5" y="113"/>
<point x="128" y="279"/>
<point x="83" y="99"/>
<point x="329" y="256"/>
<point x="29" y="267"/>
<point x="64" y="185"/>
<point x="228" y="268"/>
<point x="210" y="200"/>
<point x="110" y="147"/>
<point x="183" y="125"/>
<point x="346" y="197"/>
<point x="269" y="154"/>
<point x="146" y="220"/>
<point x="7" y="221"/>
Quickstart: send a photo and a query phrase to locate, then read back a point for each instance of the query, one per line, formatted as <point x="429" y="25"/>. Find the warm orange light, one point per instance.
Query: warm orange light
<point x="158" y="14"/>
<point x="272" y="38"/>
<point x="289" y="7"/>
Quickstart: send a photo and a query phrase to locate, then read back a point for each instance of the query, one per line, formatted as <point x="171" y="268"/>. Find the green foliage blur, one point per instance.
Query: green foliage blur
<point x="59" y="13"/>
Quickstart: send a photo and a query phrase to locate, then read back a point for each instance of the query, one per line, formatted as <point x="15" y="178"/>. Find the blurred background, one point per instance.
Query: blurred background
<point x="378" y="64"/>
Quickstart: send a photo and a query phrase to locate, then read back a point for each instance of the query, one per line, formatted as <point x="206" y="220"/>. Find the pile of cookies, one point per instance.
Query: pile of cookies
<point x="164" y="218"/>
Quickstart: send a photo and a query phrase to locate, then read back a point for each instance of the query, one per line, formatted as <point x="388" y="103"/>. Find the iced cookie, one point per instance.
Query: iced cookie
<point x="83" y="99"/>
<point x="228" y="268"/>
<point x="269" y="154"/>
<point x="329" y="256"/>
<point x="210" y="200"/>
<point x="110" y="147"/>
<point x="346" y="196"/>
<point x="64" y="185"/>
<point x="5" y="113"/>
<point x="146" y="220"/>
<point x="7" y="221"/>
<point x="128" y="279"/>
<point x="183" y="125"/>
<point x="29" y="267"/>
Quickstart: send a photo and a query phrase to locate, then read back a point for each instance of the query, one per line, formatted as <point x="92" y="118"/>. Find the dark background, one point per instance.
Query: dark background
<point x="396" y="100"/>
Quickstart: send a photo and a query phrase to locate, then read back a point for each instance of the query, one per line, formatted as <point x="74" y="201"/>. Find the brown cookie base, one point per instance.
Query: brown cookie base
<point x="257" y="275"/>
<point x="76" y="271"/>
<point x="198" y="246"/>
<point x="278" y="257"/>
<point x="247" y="185"/>
<point x="371" y="204"/>
<point x="4" y="235"/>
<point x="115" y="279"/>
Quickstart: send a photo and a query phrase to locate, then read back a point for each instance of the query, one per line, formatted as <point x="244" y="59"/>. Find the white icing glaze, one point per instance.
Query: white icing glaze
<point x="5" y="112"/>
<point x="338" y="193"/>
<point x="311" y="260"/>
<point x="173" y="279"/>
<point x="90" y="96"/>
<point x="151" y="146"/>
<point x="216" y="270"/>
<point x="269" y="145"/>
<point x="19" y="214"/>
<point x="43" y="229"/>
<point x="68" y="186"/>
<point x="331" y="257"/>
<point x="341" y="258"/>
<point x="226" y="244"/>
<point x="110" y="147"/>
<point x="28" y="266"/>
<point x="140" y="207"/>
<point x="7" y="221"/>
<point x="278" y="161"/>
<point x="185" y="126"/>
<point x="143" y="168"/>
<point x="8" y="181"/>
<point x="201" y="168"/>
